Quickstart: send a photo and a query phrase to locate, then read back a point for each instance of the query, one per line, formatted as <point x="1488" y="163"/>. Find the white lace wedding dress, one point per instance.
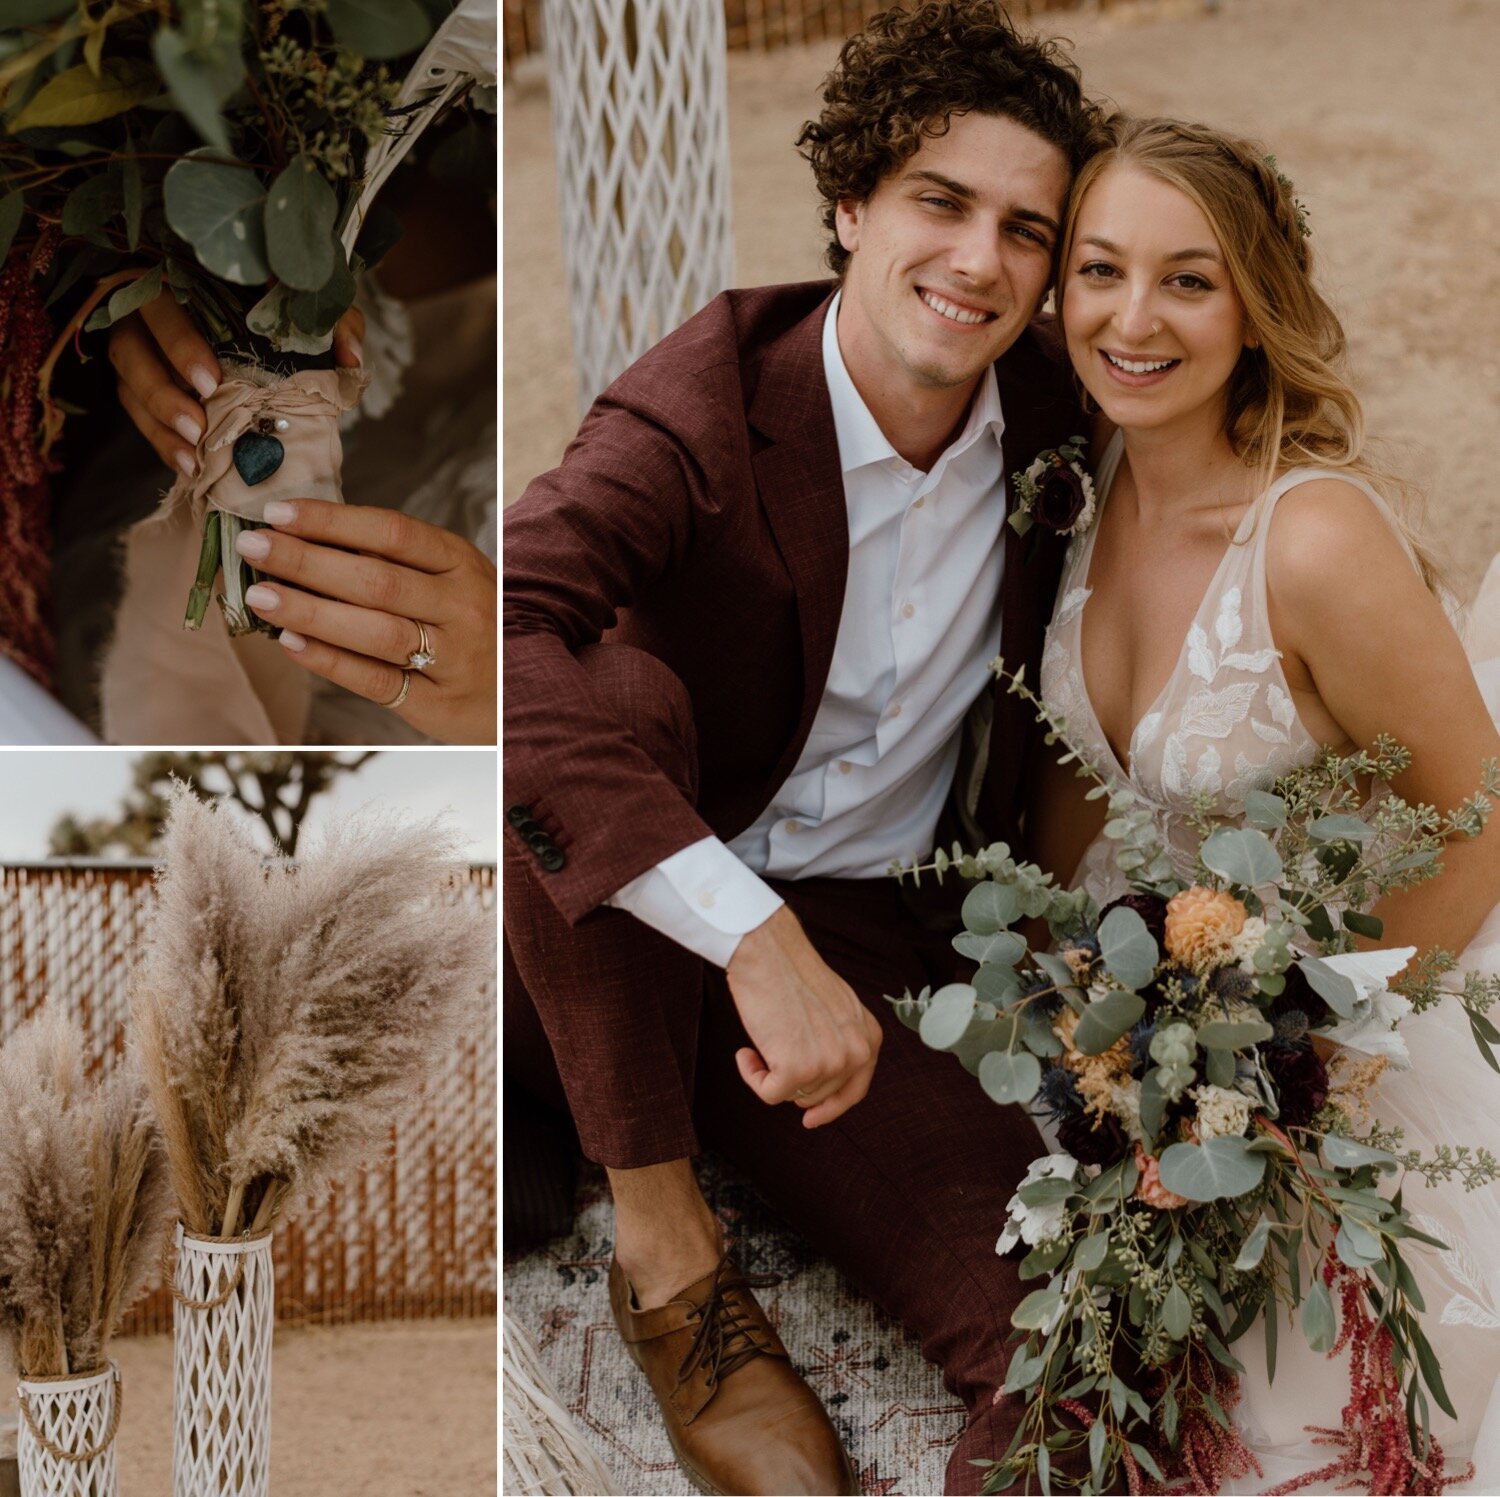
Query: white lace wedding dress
<point x="1225" y="723"/>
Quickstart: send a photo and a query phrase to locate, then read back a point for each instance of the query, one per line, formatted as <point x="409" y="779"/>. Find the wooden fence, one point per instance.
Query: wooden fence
<point x="412" y="1237"/>
<point x="751" y="25"/>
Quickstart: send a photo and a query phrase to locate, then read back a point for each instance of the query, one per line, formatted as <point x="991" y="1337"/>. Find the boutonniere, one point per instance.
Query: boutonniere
<point x="1055" y="492"/>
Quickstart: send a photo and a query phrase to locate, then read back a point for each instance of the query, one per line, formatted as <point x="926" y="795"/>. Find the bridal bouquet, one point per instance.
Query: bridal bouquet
<point x="221" y="151"/>
<point x="1205" y="1047"/>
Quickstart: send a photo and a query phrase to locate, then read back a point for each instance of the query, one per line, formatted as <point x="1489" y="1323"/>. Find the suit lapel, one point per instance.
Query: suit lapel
<point x="801" y="487"/>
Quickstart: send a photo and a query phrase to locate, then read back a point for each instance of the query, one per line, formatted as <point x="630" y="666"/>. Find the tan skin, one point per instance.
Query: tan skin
<point x="366" y="573"/>
<point x="1372" y="654"/>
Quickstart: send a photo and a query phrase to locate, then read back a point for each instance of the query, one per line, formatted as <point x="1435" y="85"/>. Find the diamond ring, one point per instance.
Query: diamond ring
<point x="422" y="656"/>
<point x="400" y="696"/>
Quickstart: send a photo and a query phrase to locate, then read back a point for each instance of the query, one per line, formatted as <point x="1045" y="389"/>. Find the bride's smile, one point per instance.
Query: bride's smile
<point x="1153" y="323"/>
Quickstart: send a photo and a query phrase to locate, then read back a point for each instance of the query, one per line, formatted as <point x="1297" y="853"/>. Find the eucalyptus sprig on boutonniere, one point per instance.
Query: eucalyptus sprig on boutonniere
<point x="1055" y="492"/>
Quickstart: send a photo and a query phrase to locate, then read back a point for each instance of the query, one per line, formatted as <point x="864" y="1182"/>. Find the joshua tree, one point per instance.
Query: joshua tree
<point x="276" y="788"/>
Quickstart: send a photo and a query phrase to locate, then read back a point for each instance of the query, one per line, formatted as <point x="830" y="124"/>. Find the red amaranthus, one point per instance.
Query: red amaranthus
<point x="1376" y="1454"/>
<point x="25" y="531"/>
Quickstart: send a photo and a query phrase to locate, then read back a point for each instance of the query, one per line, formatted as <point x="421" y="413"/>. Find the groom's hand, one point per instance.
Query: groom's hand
<point x="814" y="1042"/>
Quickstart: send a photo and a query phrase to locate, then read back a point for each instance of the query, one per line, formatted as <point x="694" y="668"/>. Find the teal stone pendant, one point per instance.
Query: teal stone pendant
<point x="257" y="456"/>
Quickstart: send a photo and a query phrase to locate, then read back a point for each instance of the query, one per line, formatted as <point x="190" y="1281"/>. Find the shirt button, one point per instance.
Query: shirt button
<point x="706" y="899"/>
<point x="907" y="610"/>
<point x="793" y="826"/>
<point x="895" y="709"/>
<point x="920" y="502"/>
<point x="845" y="766"/>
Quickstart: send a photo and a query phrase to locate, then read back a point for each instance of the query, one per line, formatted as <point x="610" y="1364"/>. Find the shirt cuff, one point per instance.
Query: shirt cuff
<point x="703" y="897"/>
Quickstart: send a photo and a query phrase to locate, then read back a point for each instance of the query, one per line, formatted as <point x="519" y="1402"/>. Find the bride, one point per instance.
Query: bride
<point x="1249" y="593"/>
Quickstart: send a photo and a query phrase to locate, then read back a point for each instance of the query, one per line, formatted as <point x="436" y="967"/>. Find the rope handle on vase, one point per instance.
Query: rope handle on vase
<point x="56" y="1451"/>
<point x="169" y="1271"/>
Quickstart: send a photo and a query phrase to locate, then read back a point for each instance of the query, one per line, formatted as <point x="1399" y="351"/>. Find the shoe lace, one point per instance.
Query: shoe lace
<point x="725" y="1338"/>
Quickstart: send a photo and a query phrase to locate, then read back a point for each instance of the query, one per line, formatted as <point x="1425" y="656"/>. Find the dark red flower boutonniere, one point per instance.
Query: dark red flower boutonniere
<point x="1055" y="492"/>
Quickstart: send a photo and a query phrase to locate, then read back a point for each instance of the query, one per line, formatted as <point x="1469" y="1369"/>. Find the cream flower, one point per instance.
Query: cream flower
<point x="1037" y="1224"/>
<point x="1221" y="1113"/>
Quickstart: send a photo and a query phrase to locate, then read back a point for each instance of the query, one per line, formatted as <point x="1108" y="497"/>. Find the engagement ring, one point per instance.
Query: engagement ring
<point x="422" y="656"/>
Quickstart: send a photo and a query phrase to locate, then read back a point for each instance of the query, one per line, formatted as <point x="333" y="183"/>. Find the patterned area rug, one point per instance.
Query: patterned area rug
<point x="897" y="1420"/>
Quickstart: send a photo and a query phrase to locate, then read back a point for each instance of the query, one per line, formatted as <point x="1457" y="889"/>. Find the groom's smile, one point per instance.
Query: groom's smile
<point x="950" y="257"/>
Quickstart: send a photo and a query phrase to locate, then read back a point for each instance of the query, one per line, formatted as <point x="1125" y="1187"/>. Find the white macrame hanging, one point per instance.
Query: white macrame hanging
<point x="642" y="146"/>
<point x="65" y="1446"/>
<point x="222" y="1320"/>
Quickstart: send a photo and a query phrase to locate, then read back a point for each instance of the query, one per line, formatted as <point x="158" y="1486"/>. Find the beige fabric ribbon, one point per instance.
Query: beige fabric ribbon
<point x="310" y="401"/>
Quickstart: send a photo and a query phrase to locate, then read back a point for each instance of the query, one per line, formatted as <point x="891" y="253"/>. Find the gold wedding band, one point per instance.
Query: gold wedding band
<point x="400" y="696"/>
<point x="802" y="1091"/>
<point x="422" y="656"/>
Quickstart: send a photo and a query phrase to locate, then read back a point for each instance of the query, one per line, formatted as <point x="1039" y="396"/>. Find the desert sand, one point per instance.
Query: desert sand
<point x="1383" y="112"/>
<point x="402" y="1410"/>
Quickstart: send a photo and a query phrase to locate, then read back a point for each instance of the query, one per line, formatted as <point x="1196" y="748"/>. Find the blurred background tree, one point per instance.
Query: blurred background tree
<point x="277" y="789"/>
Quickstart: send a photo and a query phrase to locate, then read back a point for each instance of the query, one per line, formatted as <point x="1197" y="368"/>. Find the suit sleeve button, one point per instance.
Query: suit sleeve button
<point x="517" y="814"/>
<point x="552" y="859"/>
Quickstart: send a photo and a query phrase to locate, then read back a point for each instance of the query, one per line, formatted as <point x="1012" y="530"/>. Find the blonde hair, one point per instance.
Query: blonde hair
<point x="1289" y="402"/>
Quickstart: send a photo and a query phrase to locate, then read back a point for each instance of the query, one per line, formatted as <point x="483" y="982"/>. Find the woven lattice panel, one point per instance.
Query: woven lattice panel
<point x="65" y="1444"/>
<point x="641" y="137"/>
<point x="412" y="1237"/>
<point x="221" y="1368"/>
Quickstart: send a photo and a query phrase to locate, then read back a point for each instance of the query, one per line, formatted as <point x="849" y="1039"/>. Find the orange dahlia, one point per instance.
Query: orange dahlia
<point x="1201" y="923"/>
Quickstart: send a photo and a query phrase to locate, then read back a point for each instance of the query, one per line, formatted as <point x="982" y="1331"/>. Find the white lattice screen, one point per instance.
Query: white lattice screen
<point x="642" y="142"/>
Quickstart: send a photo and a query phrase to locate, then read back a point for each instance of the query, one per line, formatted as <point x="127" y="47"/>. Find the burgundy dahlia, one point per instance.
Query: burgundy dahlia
<point x="1093" y="1139"/>
<point x="1301" y="1082"/>
<point x="1151" y="909"/>
<point x="1060" y="498"/>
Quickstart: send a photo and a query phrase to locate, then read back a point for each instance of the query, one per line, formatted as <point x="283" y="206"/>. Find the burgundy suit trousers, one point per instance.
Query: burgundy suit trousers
<point x="906" y="1192"/>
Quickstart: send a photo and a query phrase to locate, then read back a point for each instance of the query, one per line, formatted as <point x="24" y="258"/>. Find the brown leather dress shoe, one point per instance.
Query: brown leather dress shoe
<point x="739" y="1417"/>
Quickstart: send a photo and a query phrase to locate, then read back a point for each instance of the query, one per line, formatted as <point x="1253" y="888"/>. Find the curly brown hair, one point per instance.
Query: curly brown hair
<point x="910" y="71"/>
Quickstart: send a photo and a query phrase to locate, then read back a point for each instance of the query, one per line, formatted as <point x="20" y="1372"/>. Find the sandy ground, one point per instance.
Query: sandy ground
<point x="1383" y="112"/>
<point x="402" y="1410"/>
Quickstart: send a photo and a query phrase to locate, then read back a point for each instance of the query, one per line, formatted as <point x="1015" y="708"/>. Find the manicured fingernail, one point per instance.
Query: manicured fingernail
<point x="279" y="512"/>
<point x="289" y="641"/>
<point x="187" y="464"/>
<point x="252" y="544"/>
<point x="202" y="380"/>
<point x="355" y="349"/>
<point x="261" y="599"/>
<point x="188" y="429"/>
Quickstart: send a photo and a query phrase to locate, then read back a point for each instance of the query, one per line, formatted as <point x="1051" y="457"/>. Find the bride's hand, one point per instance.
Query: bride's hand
<point x="363" y="578"/>
<point x="161" y="360"/>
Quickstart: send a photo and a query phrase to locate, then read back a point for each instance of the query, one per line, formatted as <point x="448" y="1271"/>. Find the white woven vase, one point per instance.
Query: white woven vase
<point x="65" y="1446"/>
<point x="224" y="1307"/>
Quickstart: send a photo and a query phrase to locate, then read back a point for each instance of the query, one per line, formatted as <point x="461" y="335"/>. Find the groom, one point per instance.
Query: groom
<point x="745" y="621"/>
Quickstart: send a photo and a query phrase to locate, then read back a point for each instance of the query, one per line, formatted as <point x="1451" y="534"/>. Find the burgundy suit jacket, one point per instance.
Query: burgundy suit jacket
<point x="699" y="515"/>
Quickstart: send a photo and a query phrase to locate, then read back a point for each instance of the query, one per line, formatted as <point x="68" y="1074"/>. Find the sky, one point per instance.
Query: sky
<point x="38" y="786"/>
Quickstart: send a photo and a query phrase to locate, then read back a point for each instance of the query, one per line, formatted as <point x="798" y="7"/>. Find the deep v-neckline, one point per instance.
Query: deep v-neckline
<point x="1113" y="456"/>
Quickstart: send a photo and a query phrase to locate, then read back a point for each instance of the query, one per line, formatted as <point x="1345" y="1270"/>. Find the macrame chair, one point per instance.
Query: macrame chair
<point x="642" y="147"/>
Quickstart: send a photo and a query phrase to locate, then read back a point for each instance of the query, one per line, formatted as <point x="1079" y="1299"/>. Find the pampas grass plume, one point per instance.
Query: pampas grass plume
<point x="287" y="1014"/>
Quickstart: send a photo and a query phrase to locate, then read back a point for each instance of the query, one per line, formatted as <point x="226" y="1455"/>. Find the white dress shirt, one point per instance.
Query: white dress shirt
<point x="920" y="622"/>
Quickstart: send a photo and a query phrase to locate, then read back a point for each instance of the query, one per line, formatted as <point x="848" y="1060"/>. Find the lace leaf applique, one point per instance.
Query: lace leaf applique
<point x="1214" y="714"/>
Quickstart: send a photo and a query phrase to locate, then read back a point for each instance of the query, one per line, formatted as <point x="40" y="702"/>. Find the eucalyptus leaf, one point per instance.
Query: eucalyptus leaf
<point x="1033" y="1313"/>
<point x="1349" y="1153"/>
<point x="1340" y="829"/>
<point x="1106" y="1019"/>
<point x="1054" y="966"/>
<point x="948" y="1016"/>
<point x="1357" y="1245"/>
<point x="1216" y="1169"/>
<point x="1002" y="947"/>
<point x="300" y="214"/>
<point x="77" y="97"/>
<point x="379" y="29"/>
<point x="219" y="210"/>
<point x="1219" y="1068"/>
<point x="1264" y="810"/>
<point x="12" y="210"/>
<point x="1090" y="1251"/>
<point x="135" y="294"/>
<point x="271" y="318"/>
<point x="1222" y="1034"/>
<point x="1318" y="1323"/>
<point x="1128" y="948"/>
<point x="989" y="907"/>
<point x="1253" y="1249"/>
<point x="1370" y="926"/>
<point x="996" y="983"/>
<point x="1097" y="1435"/>
<point x="1176" y="1313"/>
<point x="1242" y="855"/>
<point x="1428" y="1362"/>
<point x="201" y="80"/>
<point x="91" y="205"/>
<point x="1010" y="1076"/>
